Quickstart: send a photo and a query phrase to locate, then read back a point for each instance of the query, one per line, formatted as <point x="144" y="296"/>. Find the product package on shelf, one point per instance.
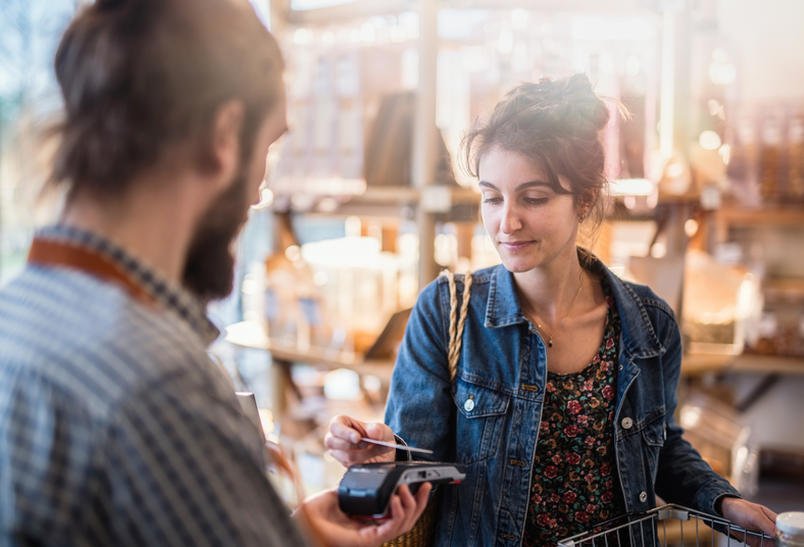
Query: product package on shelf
<point x="389" y="144"/>
<point x="334" y="90"/>
<point x="358" y="285"/>
<point x="719" y="303"/>
<point x="343" y="296"/>
<point x="766" y="157"/>
<point x="781" y="328"/>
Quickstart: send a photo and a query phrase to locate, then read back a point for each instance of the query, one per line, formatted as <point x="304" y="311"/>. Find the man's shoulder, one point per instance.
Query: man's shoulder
<point x="88" y="338"/>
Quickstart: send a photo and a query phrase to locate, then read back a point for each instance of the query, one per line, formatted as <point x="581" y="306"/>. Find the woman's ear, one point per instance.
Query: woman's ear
<point x="220" y="154"/>
<point x="585" y="202"/>
<point x="581" y="210"/>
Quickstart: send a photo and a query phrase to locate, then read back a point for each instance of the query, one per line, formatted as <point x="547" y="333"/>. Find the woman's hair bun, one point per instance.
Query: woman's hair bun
<point x="567" y="106"/>
<point x="581" y="98"/>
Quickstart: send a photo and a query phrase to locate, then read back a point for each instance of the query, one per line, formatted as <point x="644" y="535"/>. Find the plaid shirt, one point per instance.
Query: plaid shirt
<point x="115" y="427"/>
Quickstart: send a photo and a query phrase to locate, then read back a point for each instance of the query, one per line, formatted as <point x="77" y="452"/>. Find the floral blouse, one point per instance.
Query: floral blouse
<point x="575" y="483"/>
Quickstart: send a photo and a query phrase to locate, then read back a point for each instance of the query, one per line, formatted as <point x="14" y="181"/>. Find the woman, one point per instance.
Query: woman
<point x="562" y="405"/>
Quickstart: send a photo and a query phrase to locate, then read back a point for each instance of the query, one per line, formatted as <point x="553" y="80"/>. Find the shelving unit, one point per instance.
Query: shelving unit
<point x="775" y="216"/>
<point x="416" y="201"/>
<point x="700" y="364"/>
<point x="249" y="334"/>
<point x="425" y="202"/>
<point x="758" y="373"/>
<point x="453" y="203"/>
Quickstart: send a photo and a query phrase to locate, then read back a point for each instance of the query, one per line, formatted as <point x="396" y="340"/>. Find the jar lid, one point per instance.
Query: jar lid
<point x="791" y="522"/>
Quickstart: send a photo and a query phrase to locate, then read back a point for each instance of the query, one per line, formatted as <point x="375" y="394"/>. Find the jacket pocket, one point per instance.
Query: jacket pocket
<point x="653" y="435"/>
<point x="480" y="418"/>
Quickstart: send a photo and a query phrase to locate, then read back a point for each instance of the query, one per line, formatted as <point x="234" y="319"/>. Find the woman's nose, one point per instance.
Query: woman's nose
<point x="510" y="223"/>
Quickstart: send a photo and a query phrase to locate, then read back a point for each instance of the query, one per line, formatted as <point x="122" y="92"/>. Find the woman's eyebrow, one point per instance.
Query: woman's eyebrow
<point x="523" y="186"/>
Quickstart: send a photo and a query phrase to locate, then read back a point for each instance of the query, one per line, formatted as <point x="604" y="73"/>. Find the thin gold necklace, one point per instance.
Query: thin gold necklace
<point x="542" y="331"/>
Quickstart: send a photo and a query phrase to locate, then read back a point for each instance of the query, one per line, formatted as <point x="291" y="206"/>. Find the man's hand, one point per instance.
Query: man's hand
<point x="334" y="528"/>
<point x="344" y="444"/>
<point x="750" y="516"/>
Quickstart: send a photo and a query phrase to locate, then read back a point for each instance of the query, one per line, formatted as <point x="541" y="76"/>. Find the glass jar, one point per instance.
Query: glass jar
<point x="790" y="529"/>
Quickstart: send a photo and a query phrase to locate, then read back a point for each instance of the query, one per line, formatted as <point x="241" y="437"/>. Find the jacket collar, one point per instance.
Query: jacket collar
<point x="638" y="335"/>
<point x="502" y="306"/>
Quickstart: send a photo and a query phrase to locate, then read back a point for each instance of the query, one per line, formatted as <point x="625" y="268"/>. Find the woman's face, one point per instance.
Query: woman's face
<point x="527" y="221"/>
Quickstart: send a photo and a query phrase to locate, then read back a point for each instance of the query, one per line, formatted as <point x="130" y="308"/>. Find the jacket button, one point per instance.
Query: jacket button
<point x="643" y="496"/>
<point x="468" y="405"/>
<point x="627" y="423"/>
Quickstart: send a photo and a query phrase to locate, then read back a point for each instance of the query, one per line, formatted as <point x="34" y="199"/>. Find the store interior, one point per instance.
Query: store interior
<point x="366" y="200"/>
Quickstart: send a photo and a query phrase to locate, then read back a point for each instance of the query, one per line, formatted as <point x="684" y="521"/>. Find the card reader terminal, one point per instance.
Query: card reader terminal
<point x="366" y="489"/>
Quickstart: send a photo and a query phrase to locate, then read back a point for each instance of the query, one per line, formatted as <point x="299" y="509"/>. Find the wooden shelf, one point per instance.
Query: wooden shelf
<point x="771" y="215"/>
<point x="360" y="9"/>
<point x="348" y="12"/>
<point x="698" y="364"/>
<point x="393" y="201"/>
<point x="249" y="334"/>
<point x="791" y="286"/>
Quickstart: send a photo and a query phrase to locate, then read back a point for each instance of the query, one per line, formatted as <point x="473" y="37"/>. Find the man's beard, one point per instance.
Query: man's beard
<point x="209" y="268"/>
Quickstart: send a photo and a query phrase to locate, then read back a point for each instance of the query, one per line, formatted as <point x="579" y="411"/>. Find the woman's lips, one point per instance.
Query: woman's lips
<point x="515" y="245"/>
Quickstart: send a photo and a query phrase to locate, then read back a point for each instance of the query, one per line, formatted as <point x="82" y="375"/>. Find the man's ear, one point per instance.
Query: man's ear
<point x="221" y="157"/>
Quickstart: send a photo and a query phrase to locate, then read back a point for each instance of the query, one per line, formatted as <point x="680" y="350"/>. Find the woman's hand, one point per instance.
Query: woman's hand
<point x="750" y="516"/>
<point x="334" y="528"/>
<point x="343" y="441"/>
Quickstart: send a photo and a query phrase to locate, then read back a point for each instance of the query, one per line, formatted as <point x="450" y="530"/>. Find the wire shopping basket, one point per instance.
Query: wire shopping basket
<point x="667" y="526"/>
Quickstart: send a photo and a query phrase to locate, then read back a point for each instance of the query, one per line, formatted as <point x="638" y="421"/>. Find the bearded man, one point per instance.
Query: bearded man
<point x="115" y="427"/>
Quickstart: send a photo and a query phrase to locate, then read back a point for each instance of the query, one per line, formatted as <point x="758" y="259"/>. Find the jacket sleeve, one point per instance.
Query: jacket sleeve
<point x="420" y="409"/>
<point x="683" y="476"/>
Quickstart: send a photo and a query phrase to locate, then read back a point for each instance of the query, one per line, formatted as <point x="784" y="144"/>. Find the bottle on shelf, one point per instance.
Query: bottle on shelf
<point x="795" y="157"/>
<point x="770" y="159"/>
<point x="289" y="309"/>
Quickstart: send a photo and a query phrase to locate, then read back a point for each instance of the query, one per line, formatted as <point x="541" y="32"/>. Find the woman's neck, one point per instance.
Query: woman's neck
<point x="552" y="291"/>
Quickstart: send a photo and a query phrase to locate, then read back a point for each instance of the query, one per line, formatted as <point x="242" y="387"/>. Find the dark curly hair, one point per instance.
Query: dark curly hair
<point x="556" y="124"/>
<point x="139" y="76"/>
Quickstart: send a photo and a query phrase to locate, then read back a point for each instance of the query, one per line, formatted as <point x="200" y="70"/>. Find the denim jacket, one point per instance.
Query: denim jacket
<point x="488" y="419"/>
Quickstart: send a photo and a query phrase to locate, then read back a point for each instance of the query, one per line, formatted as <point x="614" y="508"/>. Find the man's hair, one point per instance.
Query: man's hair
<point x="140" y="76"/>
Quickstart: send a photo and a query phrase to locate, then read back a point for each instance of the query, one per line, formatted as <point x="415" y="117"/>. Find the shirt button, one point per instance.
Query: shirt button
<point x="468" y="405"/>
<point x="643" y="496"/>
<point x="627" y="423"/>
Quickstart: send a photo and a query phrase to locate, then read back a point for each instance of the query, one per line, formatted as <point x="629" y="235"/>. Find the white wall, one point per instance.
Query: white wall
<point x="767" y="38"/>
<point x="775" y="418"/>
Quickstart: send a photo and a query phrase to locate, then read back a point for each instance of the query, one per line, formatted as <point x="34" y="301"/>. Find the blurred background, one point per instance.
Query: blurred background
<point x="366" y="199"/>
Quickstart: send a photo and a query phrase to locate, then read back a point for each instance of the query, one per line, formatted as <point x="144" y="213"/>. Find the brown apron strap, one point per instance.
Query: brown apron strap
<point x="45" y="252"/>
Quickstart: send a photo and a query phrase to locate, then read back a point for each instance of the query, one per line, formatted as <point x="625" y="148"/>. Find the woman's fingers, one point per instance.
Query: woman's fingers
<point x="379" y="431"/>
<point x="347" y="428"/>
<point x="343" y="440"/>
<point x="770" y="514"/>
<point x="333" y="442"/>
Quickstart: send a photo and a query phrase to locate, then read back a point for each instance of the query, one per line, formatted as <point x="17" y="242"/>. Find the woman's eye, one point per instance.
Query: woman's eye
<point x="536" y="201"/>
<point x="492" y="200"/>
